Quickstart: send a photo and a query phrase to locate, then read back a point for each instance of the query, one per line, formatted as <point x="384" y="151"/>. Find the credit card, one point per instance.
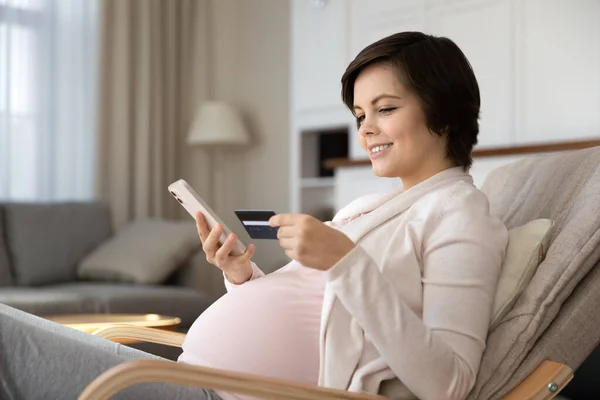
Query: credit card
<point x="256" y="223"/>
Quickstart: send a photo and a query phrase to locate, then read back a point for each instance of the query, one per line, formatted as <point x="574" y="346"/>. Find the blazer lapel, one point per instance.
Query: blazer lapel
<point x="383" y="208"/>
<point x="399" y="201"/>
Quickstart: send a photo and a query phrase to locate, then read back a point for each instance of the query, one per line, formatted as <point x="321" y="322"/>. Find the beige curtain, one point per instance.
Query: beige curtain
<point x="152" y="78"/>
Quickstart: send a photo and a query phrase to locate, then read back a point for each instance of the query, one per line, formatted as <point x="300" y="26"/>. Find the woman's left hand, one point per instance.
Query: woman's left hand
<point x="309" y="241"/>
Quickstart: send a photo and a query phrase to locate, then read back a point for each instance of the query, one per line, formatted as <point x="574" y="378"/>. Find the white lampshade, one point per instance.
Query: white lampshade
<point x="217" y="123"/>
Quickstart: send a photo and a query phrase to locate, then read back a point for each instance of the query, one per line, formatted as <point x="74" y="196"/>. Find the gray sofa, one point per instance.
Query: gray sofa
<point x="41" y="245"/>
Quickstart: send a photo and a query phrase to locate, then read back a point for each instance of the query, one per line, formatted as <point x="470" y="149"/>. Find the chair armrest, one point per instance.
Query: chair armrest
<point x="152" y="335"/>
<point x="142" y="371"/>
<point x="545" y="382"/>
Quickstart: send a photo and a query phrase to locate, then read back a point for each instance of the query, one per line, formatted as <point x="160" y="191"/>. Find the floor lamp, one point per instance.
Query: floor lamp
<point x="217" y="125"/>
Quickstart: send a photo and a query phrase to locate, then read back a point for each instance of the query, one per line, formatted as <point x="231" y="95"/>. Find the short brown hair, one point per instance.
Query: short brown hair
<point x="437" y="71"/>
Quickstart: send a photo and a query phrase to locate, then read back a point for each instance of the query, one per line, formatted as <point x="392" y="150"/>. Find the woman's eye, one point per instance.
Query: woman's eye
<point x="359" y="120"/>
<point x="387" y="110"/>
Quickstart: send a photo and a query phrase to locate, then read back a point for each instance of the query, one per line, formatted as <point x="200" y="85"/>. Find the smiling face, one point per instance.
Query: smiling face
<point x="393" y="130"/>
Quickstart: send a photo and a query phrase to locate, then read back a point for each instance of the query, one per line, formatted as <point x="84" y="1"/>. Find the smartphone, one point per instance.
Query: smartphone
<point x="192" y="202"/>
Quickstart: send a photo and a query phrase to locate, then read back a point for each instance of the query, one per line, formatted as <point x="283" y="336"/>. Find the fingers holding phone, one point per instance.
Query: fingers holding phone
<point x="233" y="260"/>
<point x="218" y="250"/>
<point x="223" y="255"/>
<point x="210" y="238"/>
<point x="193" y="203"/>
<point x="202" y="227"/>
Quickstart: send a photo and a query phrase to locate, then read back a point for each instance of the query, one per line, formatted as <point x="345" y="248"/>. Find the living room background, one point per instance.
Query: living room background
<point x="246" y="53"/>
<point x="118" y="91"/>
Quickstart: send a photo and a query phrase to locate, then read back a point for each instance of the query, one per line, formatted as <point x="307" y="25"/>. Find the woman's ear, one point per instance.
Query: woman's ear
<point x="441" y="132"/>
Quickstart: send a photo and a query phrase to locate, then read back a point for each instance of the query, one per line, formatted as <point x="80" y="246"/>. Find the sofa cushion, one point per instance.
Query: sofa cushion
<point x="186" y="304"/>
<point x="526" y="248"/>
<point x="47" y="240"/>
<point x="104" y="298"/>
<point x="44" y="302"/>
<point x="5" y="274"/>
<point x="146" y="251"/>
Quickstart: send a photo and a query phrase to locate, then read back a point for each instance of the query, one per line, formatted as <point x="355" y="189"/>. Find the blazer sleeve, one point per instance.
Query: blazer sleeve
<point x="436" y="354"/>
<point x="256" y="273"/>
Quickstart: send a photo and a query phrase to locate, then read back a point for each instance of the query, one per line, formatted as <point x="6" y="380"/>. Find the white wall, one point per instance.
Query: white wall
<point x="249" y="68"/>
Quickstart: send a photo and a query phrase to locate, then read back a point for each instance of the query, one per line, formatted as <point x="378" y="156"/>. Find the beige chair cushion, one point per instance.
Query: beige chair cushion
<point x="526" y="248"/>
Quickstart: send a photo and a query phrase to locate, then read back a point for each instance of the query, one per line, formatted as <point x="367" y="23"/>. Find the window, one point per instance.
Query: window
<point x="41" y="41"/>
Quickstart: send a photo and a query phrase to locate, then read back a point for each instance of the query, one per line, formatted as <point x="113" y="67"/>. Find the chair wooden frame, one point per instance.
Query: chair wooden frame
<point x="544" y="383"/>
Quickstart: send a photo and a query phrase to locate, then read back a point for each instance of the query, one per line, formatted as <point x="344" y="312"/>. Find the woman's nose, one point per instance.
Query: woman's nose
<point x="368" y="128"/>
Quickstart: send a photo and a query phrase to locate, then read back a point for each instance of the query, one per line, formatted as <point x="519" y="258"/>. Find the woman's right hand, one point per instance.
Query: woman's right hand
<point x="237" y="269"/>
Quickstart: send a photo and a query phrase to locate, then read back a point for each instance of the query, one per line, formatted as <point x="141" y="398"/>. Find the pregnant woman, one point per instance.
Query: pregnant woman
<point x="394" y="296"/>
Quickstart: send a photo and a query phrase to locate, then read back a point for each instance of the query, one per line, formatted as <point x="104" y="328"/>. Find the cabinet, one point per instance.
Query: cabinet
<point x="558" y="70"/>
<point x="537" y="61"/>
<point x="319" y="54"/>
<point x="482" y="29"/>
<point x="373" y="20"/>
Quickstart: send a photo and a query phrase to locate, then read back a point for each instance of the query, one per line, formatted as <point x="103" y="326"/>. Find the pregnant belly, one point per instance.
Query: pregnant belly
<point x="268" y="326"/>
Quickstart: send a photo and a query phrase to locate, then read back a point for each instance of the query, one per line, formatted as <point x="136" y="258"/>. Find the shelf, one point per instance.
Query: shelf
<point x="317" y="182"/>
<point x="333" y="163"/>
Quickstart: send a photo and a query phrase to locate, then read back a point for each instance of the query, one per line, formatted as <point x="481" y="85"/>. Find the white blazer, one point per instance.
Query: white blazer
<point x="406" y="312"/>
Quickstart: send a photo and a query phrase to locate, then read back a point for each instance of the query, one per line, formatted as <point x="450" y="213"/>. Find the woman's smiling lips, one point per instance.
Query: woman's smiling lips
<point x="378" y="151"/>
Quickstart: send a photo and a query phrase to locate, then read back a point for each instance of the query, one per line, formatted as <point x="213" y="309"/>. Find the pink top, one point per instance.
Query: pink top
<point x="267" y="326"/>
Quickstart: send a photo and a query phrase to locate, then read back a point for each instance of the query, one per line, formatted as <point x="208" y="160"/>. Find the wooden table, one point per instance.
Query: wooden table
<point x="91" y="322"/>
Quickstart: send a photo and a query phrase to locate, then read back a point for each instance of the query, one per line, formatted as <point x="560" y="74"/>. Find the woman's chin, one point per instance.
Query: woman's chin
<point x="381" y="171"/>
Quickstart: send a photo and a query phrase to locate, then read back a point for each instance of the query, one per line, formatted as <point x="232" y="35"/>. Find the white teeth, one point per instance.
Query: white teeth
<point x="380" y="148"/>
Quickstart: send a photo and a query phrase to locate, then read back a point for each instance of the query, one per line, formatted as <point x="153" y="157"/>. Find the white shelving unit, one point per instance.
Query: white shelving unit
<point x="313" y="186"/>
